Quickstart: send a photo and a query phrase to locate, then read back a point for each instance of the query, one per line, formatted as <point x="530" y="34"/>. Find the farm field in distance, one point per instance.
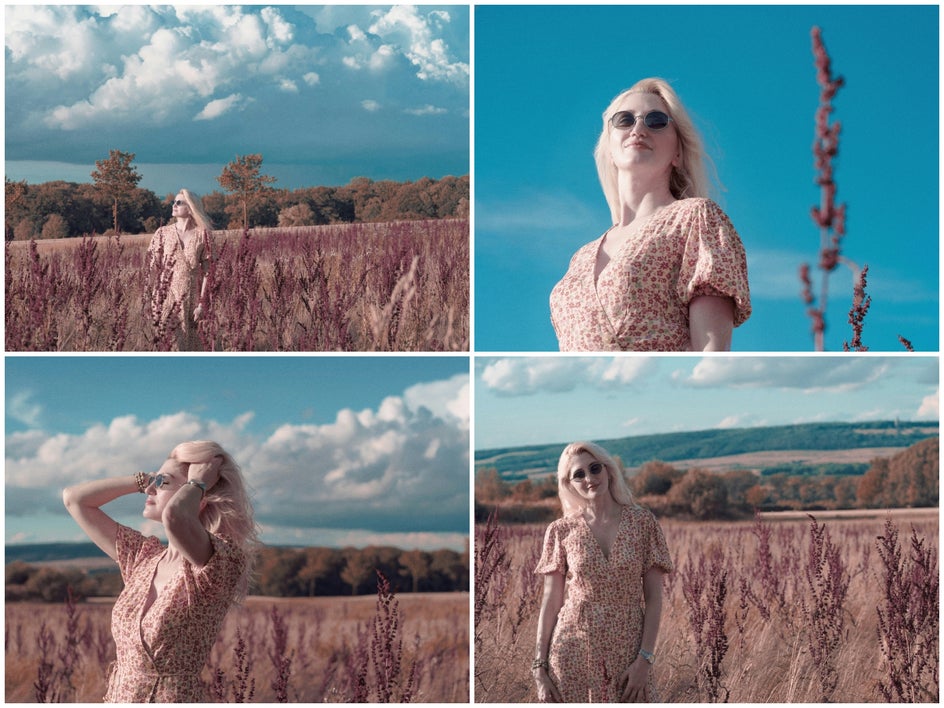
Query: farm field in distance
<point x="328" y="640"/>
<point x="394" y="286"/>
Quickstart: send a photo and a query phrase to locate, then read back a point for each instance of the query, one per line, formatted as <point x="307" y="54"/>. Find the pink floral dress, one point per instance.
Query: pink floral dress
<point x="183" y="266"/>
<point x="599" y="628"/>
<point x="640" y="300"/>
<point x="161" y="654"/>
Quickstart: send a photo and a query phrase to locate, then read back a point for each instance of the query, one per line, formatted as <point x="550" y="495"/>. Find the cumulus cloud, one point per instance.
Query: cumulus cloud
<point x="370" y="105"/>
<point x="522" y="377"/>
<point x="413" y="34"/>
<point x="219" y="106"/>
<point x="311" y="78"/>
<point x="930" y="406"/>
<point x="400" y="468"/>
<point x="427" y="110"/>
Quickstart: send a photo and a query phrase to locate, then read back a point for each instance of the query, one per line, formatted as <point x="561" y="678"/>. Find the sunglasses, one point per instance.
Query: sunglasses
<point x="160" y="479"/>
<point x="594" y="468"/>
<point x="654" y="120"/>
<point x="178" y="202"/>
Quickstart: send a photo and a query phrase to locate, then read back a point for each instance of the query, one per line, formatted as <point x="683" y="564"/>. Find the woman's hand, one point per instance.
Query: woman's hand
<point x="198" y="313"/>
<point x="207" y="473"/>
<point x="547" y="691"/>
<point x="635" y="682"/>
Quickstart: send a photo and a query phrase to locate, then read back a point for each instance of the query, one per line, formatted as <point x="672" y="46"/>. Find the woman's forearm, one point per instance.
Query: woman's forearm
<point x="84" y="502"/>
<point x="652" y="616"/>
<point x="551" y="604"/>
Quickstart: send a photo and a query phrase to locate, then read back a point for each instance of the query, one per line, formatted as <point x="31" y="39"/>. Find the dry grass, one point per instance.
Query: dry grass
<point x="767" y="660"/>
<point x="322" y="635"/>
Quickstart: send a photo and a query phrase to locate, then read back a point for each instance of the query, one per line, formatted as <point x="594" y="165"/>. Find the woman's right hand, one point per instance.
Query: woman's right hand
<point x="547" y="691"/>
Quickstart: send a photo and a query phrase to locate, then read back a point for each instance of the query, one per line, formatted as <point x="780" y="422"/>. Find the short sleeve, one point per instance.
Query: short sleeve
<point x="133" y="548"/>
<point x="223" y="572"/>
<point x="713" y="260"/>
<point x="553" y="556"/>
<point x="658" y="549"/>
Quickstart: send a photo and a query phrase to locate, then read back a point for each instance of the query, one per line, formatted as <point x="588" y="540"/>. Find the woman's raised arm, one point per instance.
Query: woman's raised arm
<point x="181" y="516"/>
<point x="84" y="502"/>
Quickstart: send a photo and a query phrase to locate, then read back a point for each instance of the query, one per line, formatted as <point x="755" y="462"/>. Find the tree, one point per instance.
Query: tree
<point x="417" y="565"/>
<point x="701" y="493"/>
<point x="116" y="179"/>
<point x="14" y="195"/>
<point x="243" y="178"/>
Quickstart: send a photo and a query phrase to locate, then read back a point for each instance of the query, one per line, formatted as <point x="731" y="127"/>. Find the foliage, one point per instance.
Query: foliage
<point x="116" y="179"/>
<point x="385" y="287"/>
<point x="243" y="176"/>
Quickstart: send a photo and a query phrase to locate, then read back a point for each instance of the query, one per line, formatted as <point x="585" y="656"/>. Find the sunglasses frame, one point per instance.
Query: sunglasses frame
<point x="178" y="202"/>
<point x="645" y="120"/>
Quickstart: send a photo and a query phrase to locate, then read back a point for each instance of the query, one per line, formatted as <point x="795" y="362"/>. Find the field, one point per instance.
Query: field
<point x="311" y="650"/>
<point x="399" y="286"/>
<point x="782" y="609"/>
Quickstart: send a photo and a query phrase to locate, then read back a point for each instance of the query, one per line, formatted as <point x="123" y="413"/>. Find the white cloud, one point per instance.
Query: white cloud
<point x="413" y="34"/>
<point x="311" y="78"/>
<point x="810" y="374"/>
<point x="522" y="377"/>
<point x="23" y="408"/>
<point x="219" y="106"/>
<point x="370" y="105"/>
<point x="288" y="86"/>
<point x="930" y="406"/>
<point x="427" y="110"/>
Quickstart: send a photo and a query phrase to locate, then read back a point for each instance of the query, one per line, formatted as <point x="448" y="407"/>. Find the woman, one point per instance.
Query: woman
<point x="670" y="274"/>
<point x="606" y="556"/>
<point x="177" y="265"/>
<point x="167" y="617"/>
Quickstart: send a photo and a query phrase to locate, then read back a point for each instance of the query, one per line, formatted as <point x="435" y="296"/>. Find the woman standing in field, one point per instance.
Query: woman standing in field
<point x="606" y="556"/>
<point x="671" y="273"/>
<point x="167" y="617"/>
<point x="177" y="266"/>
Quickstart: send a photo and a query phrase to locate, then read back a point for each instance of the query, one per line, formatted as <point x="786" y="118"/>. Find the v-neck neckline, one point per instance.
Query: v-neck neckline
<point x="646" y="224"/>
<point x="619" y="527"/>
<point x="146" y="608"/>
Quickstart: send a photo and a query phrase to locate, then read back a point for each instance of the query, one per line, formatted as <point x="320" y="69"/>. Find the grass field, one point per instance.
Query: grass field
<point x="327" y="642"/>
<point x="783" y="609"/>
<point x="400" y="286"/>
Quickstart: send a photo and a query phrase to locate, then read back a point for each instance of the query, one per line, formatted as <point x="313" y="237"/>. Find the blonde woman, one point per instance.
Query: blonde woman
<point x="671" y="272"/>
<point x="177" y="264"/>
<point x="602" y="564"/>
<point x="175" y="596"/>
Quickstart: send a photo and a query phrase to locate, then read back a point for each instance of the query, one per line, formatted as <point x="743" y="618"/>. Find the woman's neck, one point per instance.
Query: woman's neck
<point x="185" y="223"/>
<point x="641" y="197"/>
<point x="604" y="508"/>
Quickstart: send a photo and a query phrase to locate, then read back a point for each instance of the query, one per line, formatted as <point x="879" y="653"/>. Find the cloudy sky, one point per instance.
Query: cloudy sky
<point x="339" y="450"/>
<point x="325" y="93"/>
<point x="747" y="74"/>
<point x="556" y="399"/>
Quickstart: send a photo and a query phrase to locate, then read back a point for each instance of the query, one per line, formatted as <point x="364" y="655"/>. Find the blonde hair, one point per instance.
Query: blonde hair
<point x="195" y="203"/>
<point x="227" y="510"/>
<point x="688" y="179"/>
<point x="570" y="500"/>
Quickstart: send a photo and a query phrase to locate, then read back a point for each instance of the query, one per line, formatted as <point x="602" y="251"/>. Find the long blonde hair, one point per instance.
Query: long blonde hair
<point x="195" y="203"/>
<point x="570" y="501"/>
<point x="227" y="510"/>
<point x="688" y="179"/>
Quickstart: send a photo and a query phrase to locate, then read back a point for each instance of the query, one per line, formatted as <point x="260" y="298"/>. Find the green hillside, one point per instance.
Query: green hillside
<point x="515" y="463"/>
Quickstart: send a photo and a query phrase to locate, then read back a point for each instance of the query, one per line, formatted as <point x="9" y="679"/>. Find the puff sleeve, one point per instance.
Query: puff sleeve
<point x="553" y="556"/>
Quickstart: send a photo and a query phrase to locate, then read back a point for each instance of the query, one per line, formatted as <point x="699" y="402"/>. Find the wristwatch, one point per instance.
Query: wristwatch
<point x="201" y="485"/>
<point x="647" y="655"/>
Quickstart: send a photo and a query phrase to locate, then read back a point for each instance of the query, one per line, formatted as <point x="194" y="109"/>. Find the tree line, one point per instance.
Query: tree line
<point x="280" y="572"/>
<point x="908" y="479"/>
<point x="113" y="203"/>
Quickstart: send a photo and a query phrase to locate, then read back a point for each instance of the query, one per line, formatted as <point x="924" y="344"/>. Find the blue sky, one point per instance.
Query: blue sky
<point x="339" y="450"/>
<point x="325" y="93"/>
<point x="747" y="74"/>
<point x="558" y="399"/>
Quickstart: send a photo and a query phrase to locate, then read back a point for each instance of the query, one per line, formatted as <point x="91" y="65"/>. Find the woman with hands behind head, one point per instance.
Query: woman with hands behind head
<point x="602" y="564"/>
<point x="167" y="617"/>
<point x="670" y="274"/>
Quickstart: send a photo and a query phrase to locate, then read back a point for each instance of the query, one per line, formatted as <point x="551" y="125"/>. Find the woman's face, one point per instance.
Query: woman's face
<point x="640" y="147"/>
<point x="588" y="476"/>
<point x="180" y="207"/>
<point x="174" y="476"/>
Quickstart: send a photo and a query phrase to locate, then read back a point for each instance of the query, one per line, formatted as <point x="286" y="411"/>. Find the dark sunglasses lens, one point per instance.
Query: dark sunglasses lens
<point x="596" y="468"/>
<point x="657" y="120"/>
<point x="623" y="119"/>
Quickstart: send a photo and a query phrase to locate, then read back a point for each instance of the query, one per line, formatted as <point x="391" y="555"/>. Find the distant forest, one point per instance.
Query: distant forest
<point x="908" y="479"/>
<point x="68" y="209"/>
<point x="280" y="572"/>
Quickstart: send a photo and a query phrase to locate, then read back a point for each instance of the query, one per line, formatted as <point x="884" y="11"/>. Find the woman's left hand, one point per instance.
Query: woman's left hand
<point x="206" y="472"/>
<point x="635" y="682"/>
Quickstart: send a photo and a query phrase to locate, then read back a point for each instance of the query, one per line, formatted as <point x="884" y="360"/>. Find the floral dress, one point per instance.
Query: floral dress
<point x="640" y="300"/>
<point x="161" y="653"/>
<point x="599" y="627"/>
<point x="180" y="269"/>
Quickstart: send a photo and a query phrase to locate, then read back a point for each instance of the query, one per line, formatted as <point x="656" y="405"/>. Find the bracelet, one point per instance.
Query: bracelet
<point x="200" y="485"/>
<point x="142" y="480"/>
<point x="648" y="656"/>
<point x="540" y="664"/>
